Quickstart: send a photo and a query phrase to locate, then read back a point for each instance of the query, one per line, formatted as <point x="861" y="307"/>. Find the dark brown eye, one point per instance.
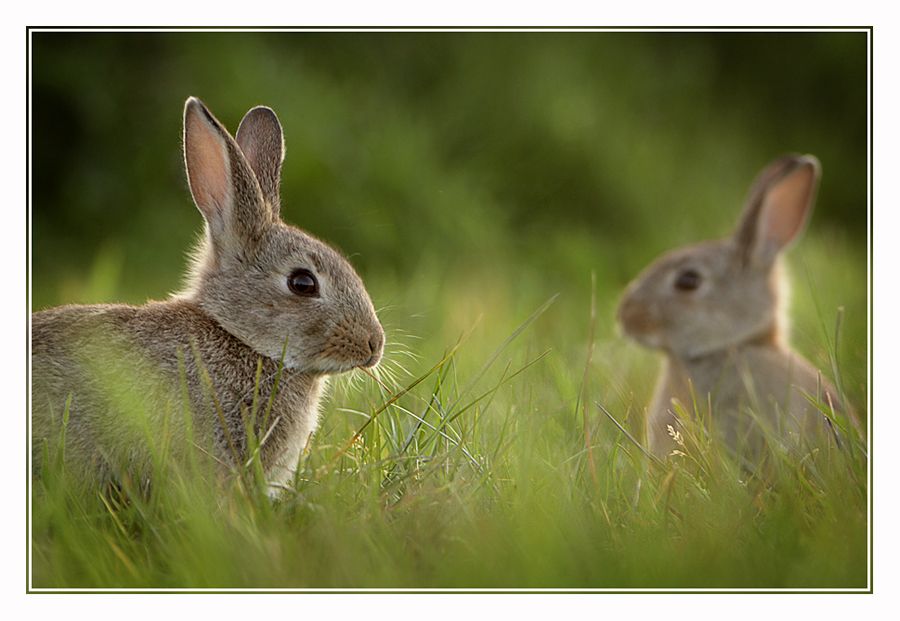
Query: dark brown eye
<point x="302" y="282"/>
<point x="688" y="280"/>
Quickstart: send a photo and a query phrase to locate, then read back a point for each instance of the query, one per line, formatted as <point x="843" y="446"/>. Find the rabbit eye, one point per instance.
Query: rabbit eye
<point x="302" y="282"/>
<point x="688" y="280"/>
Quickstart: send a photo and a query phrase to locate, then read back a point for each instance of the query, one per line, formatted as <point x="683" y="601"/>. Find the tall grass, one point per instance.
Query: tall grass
<point x="499" y="448"/>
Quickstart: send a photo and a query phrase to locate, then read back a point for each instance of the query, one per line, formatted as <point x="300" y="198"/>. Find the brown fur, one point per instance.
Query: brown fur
<point x="725" y="342"/>
<point x="134" y="374"/>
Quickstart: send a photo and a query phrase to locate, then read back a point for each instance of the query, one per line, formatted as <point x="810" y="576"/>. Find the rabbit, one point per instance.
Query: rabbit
<point x="260" y="295"/>
<point x="716" y="311"/>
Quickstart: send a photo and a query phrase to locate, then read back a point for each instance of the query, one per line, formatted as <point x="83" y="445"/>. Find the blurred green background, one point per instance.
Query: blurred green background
<point x="563" y="151"/>
<point x="470" y="177"/>
<point x="466" y="174"/>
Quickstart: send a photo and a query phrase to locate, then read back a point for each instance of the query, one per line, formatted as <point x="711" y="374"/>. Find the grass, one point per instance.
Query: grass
<point x="497" y="447"/>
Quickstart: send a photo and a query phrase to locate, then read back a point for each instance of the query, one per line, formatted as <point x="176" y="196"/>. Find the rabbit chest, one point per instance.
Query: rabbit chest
<point x="743" y="391"/>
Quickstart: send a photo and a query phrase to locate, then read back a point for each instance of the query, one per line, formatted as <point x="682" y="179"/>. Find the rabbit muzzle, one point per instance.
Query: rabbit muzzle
<point x="641" y="322"/>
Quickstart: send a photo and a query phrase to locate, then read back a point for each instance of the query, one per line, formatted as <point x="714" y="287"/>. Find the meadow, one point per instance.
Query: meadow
<point x="496" y="193"/>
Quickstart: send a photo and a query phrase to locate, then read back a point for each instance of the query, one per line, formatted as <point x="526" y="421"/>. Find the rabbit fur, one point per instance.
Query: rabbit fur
<point x="716" y="311"/>
<point x="126" y="373"/>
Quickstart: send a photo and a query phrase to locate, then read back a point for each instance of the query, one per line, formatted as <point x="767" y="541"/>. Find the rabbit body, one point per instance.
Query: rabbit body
<point x="716" y="310"/>
<point x="265" y="303"/>
<point x="157" y="339"/>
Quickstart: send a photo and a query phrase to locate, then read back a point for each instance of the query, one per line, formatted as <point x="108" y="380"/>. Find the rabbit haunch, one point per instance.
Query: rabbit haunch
<point x="219" y="344"/>
<point x="717" y="311"/>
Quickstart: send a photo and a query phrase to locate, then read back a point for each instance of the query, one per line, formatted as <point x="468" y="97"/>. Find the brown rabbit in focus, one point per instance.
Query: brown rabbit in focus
<point x="259" y="292"/>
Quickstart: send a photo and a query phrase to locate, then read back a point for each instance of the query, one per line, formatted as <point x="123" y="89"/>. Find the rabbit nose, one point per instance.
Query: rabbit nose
<point x="376" y="345"/>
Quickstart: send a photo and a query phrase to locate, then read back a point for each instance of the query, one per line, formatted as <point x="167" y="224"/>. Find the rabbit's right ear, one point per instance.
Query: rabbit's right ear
<point x="222" y="183"/>
<point x="779" y="205"/>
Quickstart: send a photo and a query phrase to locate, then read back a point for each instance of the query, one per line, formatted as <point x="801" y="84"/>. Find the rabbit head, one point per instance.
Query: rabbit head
<point x="717" y="294"/>
<point x="276" y="288"/>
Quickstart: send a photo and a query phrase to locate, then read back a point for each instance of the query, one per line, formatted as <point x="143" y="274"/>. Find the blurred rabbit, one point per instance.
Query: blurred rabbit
<point x="715" y="310"/>
<point x="259" y="292"/>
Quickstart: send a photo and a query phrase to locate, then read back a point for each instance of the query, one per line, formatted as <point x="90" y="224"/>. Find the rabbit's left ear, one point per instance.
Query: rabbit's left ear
<point x="262" y="141"/>
<point x="778" y="208"/>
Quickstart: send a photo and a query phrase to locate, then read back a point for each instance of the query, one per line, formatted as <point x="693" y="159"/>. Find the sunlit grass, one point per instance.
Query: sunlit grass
<point x="498" y="445"/>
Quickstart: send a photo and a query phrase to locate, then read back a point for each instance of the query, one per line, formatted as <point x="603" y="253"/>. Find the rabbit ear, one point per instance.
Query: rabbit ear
<point x="262" y="141"/>
<point x="223" y="185"/>
<point x="780" y="202"/>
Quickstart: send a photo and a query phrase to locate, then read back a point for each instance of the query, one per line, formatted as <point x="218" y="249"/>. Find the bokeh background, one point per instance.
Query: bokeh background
<point x="564" y="149"/>
<point x="470" y="176"/>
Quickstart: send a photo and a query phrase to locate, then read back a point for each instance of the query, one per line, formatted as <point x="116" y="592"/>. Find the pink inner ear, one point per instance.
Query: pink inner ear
<point x="786" y="205"/>
<point x="207" y="169"/>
